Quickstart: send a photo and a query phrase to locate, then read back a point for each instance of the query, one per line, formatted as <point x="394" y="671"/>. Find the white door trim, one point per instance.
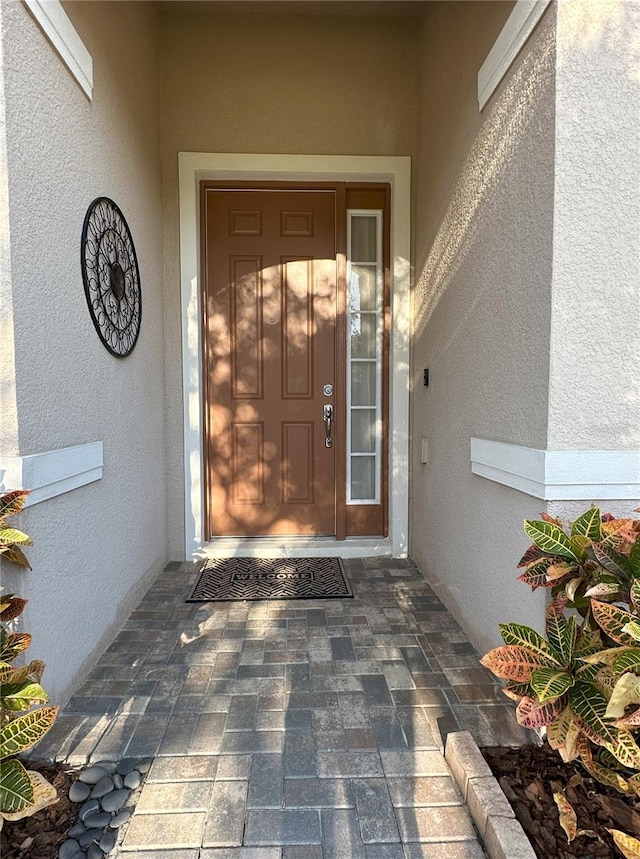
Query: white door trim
<point x="195" y="166"/>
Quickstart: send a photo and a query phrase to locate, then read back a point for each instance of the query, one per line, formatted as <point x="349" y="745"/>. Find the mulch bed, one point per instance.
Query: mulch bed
<point x="40" y="836"/>
<point x="529" y="777"/>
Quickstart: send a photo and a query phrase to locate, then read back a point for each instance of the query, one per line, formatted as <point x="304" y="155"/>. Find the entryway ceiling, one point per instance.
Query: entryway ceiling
<point x="404" y="8"/>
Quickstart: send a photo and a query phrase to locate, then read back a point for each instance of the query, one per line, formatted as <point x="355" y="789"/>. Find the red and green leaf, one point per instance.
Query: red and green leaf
<point x="611" y="620"/>
<point x="590" y="705"/>
<point x="524" y="636"/>
<point x="562" y="632"/>
<point x="532" y="555"/>
<point x="625" y="749"/>
<point x="612" y="561"/>
<point x="589" y="641"/>
<point x="516" y="691"/>
<point x="550" y="683"/>
<point x="23" y="732"/>
<point x="12" y="502"/>
<point x="588" y="525"/>
<point x="12" y="644"/>
<point x="550" y="539"/>
<point x="11" y="536"/>
<point x="534" y="714"/>
<point x="15" y="555"/>
<point x="536" y="574"/>
<point x="12" y="607"/>
<point x="634" y="590"/>
<point x="557" y="731"/>
<point x="511" y="662"/>
<point x="628" y="659"/>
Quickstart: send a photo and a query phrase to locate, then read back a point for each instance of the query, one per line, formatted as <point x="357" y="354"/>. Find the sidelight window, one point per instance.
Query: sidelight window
<point x="364" y="355"/>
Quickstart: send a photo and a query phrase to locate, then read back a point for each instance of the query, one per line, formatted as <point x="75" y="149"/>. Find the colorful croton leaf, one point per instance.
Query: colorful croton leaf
<point x="581" y="683"/>
<point x="23" y="721"/>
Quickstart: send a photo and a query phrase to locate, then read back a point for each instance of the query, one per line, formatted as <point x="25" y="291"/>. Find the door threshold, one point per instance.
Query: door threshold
<point x="296" y="547"/>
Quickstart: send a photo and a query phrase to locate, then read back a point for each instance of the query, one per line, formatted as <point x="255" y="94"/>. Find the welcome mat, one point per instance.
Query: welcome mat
<point x="270" y="579"/>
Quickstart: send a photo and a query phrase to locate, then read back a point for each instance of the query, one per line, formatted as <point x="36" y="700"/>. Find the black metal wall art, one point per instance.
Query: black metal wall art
<point x="111" y="277"/>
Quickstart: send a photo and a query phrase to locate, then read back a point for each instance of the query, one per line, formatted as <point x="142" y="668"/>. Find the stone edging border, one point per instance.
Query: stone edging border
<point x="502" y="835"/>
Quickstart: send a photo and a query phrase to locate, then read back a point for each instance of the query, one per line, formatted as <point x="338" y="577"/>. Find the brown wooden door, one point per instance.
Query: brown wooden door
<point x="269" y="315"/>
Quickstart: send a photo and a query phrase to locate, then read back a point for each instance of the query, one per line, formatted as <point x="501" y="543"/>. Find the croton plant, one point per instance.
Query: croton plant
<point x="22" y="721"/>
<point x="582" y="682"/>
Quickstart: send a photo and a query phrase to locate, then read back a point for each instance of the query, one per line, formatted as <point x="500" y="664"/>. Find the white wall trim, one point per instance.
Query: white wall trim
<point x="517" y="29"/>
<point x="559" y="475"/>
<point x="57" y="27"/>
<point x="194" y="166"/>
<point x="52" y="472"/>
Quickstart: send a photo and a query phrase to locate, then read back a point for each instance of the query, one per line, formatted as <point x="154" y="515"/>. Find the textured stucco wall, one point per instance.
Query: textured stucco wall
<point x="8" y="411"/>
<point x="594" y="399"/>
<point x="481" y="307"/>
<point x="97" y="546"/>
<point x="272" y="84"/>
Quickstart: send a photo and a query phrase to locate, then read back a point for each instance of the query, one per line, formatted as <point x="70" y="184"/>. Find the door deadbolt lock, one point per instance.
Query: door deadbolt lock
<point x="327" y="390"/>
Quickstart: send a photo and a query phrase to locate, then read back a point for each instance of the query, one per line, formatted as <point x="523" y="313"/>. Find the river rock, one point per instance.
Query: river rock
<point x="102" y="788"/>
<point x="88" y="808"/>
<point x="108" y="840"/>
<point x="68" y="849"/>
<point x="132" y="780"/>
<point x="109" y="766"/>
<point x="91" y="836"/>
<point x="120" y="818"/>
<point x="98" y="820"/>
<point x="94" y="852"/>
<point x="118" y="781"/>
<point x="79" y="791"/>
<point x="144" y="765"/>
<point x="77" y="830"/>
<point x="115" y="800"/>
<point x="93" y="774"/>
<point x="125" y="766"/>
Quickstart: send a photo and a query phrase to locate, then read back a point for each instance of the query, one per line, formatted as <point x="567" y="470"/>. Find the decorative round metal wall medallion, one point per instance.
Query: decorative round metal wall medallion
<point x="111" y="277"/>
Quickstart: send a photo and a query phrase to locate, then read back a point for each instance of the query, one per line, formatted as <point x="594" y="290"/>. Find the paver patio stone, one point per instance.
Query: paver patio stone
<point x="445" y="850"/>
<point x="282" y="826"/>
<point x="341" y="835"/>
<point x="166" y="831"/>
<point x="307" y="729"/>
<point x="225" y="820"/>
<point x="436" y="823"/>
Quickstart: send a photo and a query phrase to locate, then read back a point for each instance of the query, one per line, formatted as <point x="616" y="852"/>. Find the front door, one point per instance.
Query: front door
<point x="269" y="273"/>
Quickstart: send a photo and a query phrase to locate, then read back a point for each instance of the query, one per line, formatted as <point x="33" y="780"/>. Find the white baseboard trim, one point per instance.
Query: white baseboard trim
<point x="559" y="475"/>
<point x="517" y="29"/>
<point x="59" y="30"/>
<point x="52" y="472"/>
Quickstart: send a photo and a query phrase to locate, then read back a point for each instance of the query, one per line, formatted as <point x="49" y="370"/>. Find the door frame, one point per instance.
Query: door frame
<point x="396" y="170"/>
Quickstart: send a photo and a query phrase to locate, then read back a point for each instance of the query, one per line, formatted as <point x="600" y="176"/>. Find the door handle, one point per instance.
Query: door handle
<point x="327" y="415"/>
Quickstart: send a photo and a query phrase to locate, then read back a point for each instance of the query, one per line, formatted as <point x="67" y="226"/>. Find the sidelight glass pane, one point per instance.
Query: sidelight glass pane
<point x="363" y="383"/>
<point x="364" y="355"/>
<point x="363" y="478"/>
<point x="364" y="287"/>
<point x="363" y="430"/>
<point x="363" y="335"/>
<point x="364" y="234"/>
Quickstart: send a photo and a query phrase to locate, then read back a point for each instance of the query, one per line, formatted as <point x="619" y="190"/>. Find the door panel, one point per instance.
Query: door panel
<point x="269" y="316"/>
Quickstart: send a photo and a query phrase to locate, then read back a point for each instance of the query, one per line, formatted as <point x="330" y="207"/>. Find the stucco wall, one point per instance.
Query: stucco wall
<point x="481" y="307"/>
<point x="96" y="546"/>
<point x="594" y="399"/>
<point x="272" y="84"/>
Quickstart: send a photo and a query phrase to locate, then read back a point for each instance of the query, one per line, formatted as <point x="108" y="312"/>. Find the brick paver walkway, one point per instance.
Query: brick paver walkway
<point x="290" y="730"/>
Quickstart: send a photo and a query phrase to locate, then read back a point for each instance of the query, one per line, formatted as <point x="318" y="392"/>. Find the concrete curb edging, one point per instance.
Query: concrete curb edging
<point x="502" y="835"/>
